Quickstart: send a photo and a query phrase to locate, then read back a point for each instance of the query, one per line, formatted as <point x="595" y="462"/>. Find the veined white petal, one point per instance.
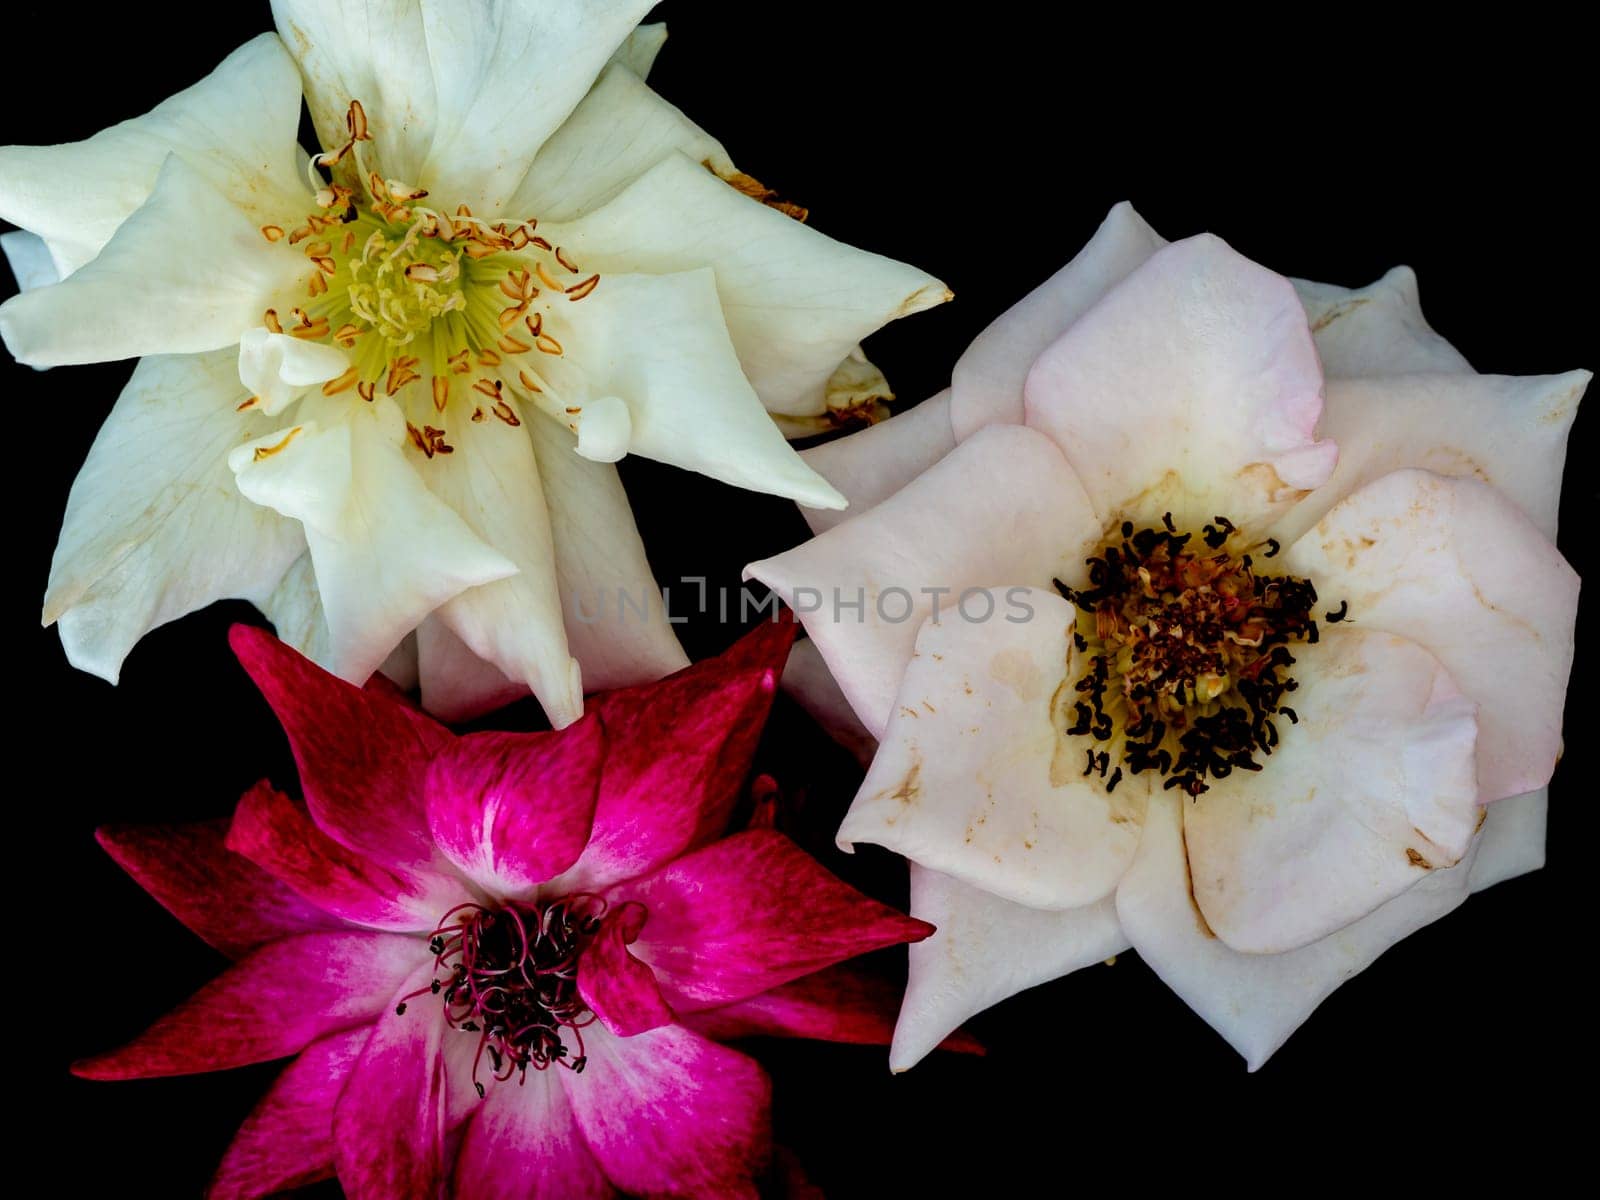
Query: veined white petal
<point x="277" y="368"/>
<point x="294" y="606"/>
<point x="797" y="302"/>
<point x="386" y="551"/>
<point x="1375" y="330"/>
<point x="235" y="128"/>
<point x="659" y="343"/>
<point x="453" y="679"/>
<point x="985" y="951"/>
<point x="188" y="272"/>
<point x="639" y="49"/>
<point x="605" y="430"/>
<point x="29" y="259"/>
<point x="155" y="527"/>
<point x="1512" y="842"/>
<point x="871" y="465"/>
<point x="505" y="76"/>
<point x="616" y="623"/>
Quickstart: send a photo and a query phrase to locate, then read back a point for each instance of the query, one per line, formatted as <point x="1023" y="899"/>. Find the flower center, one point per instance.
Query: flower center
<point x="509" y="976"/>
<point x="410" y="293"/>
<point x="1187" y="646"/>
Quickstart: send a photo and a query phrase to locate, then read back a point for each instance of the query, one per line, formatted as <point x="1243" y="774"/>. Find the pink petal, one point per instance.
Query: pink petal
<point x="874" y="463"/>
<point x="274" y="1003"/>
<point x="678" y="753"/>
<point x="287" y="1141"/>
<point x="1376" y="330"/>
<point x="221" y="896"/>
<point x="750" y="913"/>
<point x="988" y="379"/>
<point x="512" y="810"/>
<point x="1002" y="508"/>
<point x="1452" y="565"/>
<point x="388" y="1125"/>
<point x="973" y="777"/>
<point x="277" y="834"/>
<point x="524" y="1142"/>
<point x="841" y="1003"/>
<point x="1371" y="790"/>
<point x="362" y="754"/>
<point x="1193" y="386"/>
<point x="669" y="1113"/>
<point x="620" y="989"/>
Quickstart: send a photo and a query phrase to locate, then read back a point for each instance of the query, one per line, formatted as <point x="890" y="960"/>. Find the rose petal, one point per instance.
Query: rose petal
<point x="1452" y="565"/>
<point x="29" y="259"/>
<point x="974" y="778"/>
<point x="620" y="989"/>
<point x="277" y="368"/>
<point x="639" y="49"/>
<point x="1002" y="508"/>
<point x="1376" y="330"/>
<point x="1369" y="791"/>
<point x="1512" y="842"/>
<point x="871" y="465"/>
<point x="1192" y="386"/>
<point x="986" y="950"/>
<point x="276" y="1002"/>
<point x="524" y="1141"/>
<point x="294" y="607"/>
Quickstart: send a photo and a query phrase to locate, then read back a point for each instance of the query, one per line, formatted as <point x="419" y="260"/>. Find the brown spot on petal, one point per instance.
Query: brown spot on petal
<point x="1188" y="883"/>
<point x="1416" y="860"/>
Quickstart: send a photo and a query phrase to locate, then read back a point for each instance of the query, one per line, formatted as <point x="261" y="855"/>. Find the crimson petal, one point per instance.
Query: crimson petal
<point x="620" y="989"/>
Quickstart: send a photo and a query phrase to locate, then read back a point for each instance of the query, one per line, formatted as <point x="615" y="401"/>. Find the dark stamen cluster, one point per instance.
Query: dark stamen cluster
<point x="510" y="975"/>
<point x="1189" y="653"/>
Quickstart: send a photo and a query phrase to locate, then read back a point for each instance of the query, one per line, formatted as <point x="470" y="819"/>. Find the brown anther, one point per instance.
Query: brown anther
<point x="318" y="285"/>
<point x="326" y="265"/>
<point x="318" y="249"/>
<point x="460" y="364"/>
<point x="510" y="316"/>
<point x="565" y="262"/>
<point x="272" y="232"/>
<point x="367" y="390"/>
<point x="342" y="384"/>
<point x="528" y="382"/>
<point x="579" y="290"/>
<point x="547" y="279"/>
<point x="514" y="283"/>
<point x="268" y="451"/>
<point x="547" y="344"/>
<point x="535" y="324"/>
<point x="250" y="403"/>
<point x="520" y="237"/>
<point x="441" y="392"/>
<point x="300" y="235"/>
<point x="347" y="334"/>
<point x="355" y="121"/>
<point x="574" y="411"/>
<point x="511" y="346"/>
<point x="349" y="241"/>
<point x="538" y="243"/>
<point x="318" y="223"/>
<point x="476" y="249"/>
<point x="488" y="358"/>
<point x="422" y="273"/>
<point x="487" y="387"/>
<point x="477" y="415"/>
<point x="316" y="329"/>
<point x="504" y="411"/>
<point x="271" y="321"/>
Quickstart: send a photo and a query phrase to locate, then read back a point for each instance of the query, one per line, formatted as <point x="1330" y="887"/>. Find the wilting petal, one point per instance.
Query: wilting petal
<point x="810" y="684"/>
<point x="621" y="989"/>
<point x="29" y="259"/>
<point x="235" y="128"/>
<point x="669" y="1113"/>
<point x="155" y="528"/>
<point x="974" y="778"/>
<point x="512" y="810"/>
<point x="287" y="1140"/>
<point x="492" y="482"/>
<point x="1375" y="330"/>
<point x="659" y="343"/>
<point x="599" y="561"/>
<point x="1510" y="431"/>
<point x="1192" y="386"/>
<point x="677" y="758"/>
<point x="986" y="385"/>
<point x="619" y="131"/>
<point x="221" y="896"/>
<point x="1373" y="788"/>
<point x="874" y="463"/>
<point x="505" y="77"/>
<point x="1452" y="565"/>
<point x="524" y="1141"/>
<point x="797" y="302"/>
<point x="387" y="552"/>
<point x="987" y="949"/>
<point x="388" y="1125"/>
<point x="1512" y="843"/>
<point x="373" y="52"/>
<point x="274" y="1003"/>
<point x="751" y="913"/>
<point x="1255" y="1001"/>
<point x="1000" y="509"/>
<point x="187" y="272"/>
<point x="278" y="835"/>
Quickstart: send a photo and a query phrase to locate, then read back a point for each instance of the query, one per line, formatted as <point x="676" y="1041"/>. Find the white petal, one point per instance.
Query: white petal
<point x="1371" y="790"/>
<point x="1375" y="330"/>
<point x="1512" y="842"/>
<point x="599" y="560"/>
<point x="619" y="131"/>
<point x="454" y="680"/>
<point x="873" y="464"/>
<point x="605" y="430"/>
<point x="294" y="607"/>
<point x="386" y="551"/>
<point x="1002" y="508"/>
<point x="974" y="779"/>
<point x="639" y="49"/>
<point x="29" y="259"/>
<point x="188" y="272"/>
<point x="659" y="343"/>
<point x="277" y="368"/>
<point x="986" y="950"/>
<point x="808" y="681"/>
<point x="155" y="527"/>
<point x="492" y="481"/>
<point x="1452" y="565"/>
<point x="986" y="384"/>
<point x="1510" y="431"/>
<point x="505" y="77"/>
<point x="1255" y="1001"/>
<point x="235" y="128"/>
<point x="797" y="302"/>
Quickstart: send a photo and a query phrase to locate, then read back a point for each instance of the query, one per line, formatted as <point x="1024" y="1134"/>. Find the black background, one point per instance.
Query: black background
<point x="985" y="149"/>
